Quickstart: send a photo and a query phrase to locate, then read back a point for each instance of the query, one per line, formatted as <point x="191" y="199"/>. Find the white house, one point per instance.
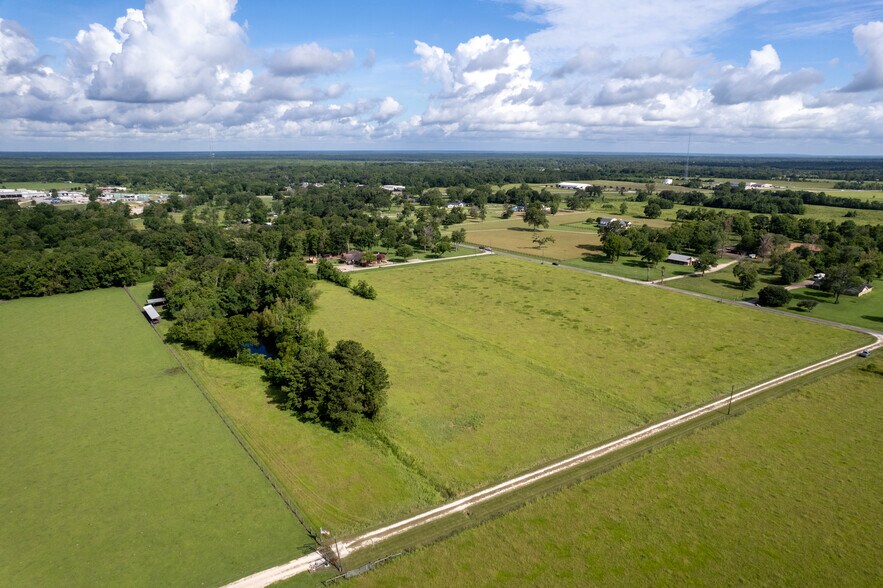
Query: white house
<point x="668" y="181"/>
<point x="393" y="187"/>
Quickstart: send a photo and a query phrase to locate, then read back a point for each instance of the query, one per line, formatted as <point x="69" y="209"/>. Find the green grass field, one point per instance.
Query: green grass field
<point x="786" y="494"/>
<point x="567" y="245"/>
<point x="723" y="284"/>
<point x="116" y="471"/>
<point x="629" y="266"/>
<point x="865" y="311"/>
<point x="488" y="352"/>
<point x="340" y="481"/>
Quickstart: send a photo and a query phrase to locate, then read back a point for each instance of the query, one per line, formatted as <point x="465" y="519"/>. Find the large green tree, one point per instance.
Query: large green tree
<point x="746" y="273"/>
<point x="535" y="215"/>
<point x="704" y="262"/>
<point x="839" y="279"/>
<point x="615" y="245"/>
<point x="654" y="252"/>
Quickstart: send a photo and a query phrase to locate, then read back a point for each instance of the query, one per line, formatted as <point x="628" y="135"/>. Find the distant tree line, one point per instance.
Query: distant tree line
<point x="269" y="174"/>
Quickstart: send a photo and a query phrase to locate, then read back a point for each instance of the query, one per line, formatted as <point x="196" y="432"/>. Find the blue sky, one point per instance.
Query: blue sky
<point x="740" y="76"/>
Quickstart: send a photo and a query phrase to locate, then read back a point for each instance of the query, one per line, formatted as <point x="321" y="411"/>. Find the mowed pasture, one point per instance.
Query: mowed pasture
<point x="340" y="481"/>
<point x="116" y="470"/>
<point x="786" y="494"/>
<point x="498" y="365"/>
<point x="567" y="244"/>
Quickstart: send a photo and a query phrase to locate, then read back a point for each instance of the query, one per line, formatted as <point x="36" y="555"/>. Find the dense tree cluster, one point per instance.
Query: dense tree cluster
<point x="852" y="252"/>
<point x="230" y="307"/>
<point x="336" y="387"/>
<point x="45" y="250"/>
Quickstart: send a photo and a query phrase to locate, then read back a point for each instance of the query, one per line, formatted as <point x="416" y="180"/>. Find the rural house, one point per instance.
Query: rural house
<point x="859" y="290"/>
<point x="352" y="257"/>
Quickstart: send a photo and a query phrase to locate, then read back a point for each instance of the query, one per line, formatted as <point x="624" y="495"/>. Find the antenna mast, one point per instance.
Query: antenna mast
<point x="687" y="165"/>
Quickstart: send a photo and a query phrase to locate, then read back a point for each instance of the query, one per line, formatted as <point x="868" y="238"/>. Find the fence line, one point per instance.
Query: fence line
<point x="243" y="442"/>
<point x="513" y="252"/>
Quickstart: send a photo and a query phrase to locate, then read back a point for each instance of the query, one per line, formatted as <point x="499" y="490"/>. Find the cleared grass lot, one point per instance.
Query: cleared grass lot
<point x="723" y="284"/>
<point x="786" y="494"/>
<point x="520" y="240"/>
<point x="116" y="471"/>
<point x="498" y="365"/>
<point x="341" y="481"/>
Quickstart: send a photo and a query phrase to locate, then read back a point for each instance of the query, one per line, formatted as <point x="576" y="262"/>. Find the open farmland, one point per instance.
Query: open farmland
<point x="779" y="495"/>
<point x="487" y="353"/>
<point x="342" y="481"/>
<point x="567" y="245"/>
<point x="116" y="471"/>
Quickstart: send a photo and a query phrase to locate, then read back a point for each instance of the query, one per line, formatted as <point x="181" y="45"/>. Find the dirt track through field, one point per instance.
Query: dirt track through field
<point x="370" y="538"/>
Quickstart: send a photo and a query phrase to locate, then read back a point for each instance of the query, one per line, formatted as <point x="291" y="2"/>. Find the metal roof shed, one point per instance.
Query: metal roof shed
<point x="151" y="314"/>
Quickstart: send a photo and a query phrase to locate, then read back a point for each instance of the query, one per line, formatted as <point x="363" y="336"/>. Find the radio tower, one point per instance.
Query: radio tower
<point x="687" y="165"/>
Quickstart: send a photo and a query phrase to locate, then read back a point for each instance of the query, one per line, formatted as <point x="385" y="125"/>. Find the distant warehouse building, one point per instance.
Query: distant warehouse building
<point x="573" y="186"/>
<point x="7" y="194"/>
<point x="393" y="187"/>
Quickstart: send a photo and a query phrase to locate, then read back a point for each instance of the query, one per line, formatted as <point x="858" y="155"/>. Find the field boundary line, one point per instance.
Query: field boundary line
<point x="243" y="442"/>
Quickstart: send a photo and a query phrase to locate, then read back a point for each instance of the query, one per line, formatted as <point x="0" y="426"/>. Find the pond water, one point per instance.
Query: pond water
<point x="259" y="349"/>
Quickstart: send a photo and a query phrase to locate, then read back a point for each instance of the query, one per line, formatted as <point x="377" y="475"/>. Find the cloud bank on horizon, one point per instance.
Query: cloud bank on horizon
<point x="172" y="73"/>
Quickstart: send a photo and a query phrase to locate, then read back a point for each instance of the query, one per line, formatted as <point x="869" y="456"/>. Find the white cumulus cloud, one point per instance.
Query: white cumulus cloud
<point x="869" y="40"/>
<point x="309" y="59"/>
<point x="762" y="79"/>
<point x="172" y="53"/>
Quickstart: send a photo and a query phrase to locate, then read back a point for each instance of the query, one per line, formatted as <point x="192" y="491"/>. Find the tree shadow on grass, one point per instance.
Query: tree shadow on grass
<point x="278" y="398"/>
<point x="589" y="247"/>
<point x="816" y="295"/>
<point x="635" y="263"/>
<point x="595" y="258"/>
<point x="876" y="319"/>
<point x="726" y="283"/>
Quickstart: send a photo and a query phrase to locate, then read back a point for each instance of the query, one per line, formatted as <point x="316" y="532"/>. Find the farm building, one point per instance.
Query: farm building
<point x="681" y="259"/>
<point x="393" y="187"/>
<point x="573" y="186"/>
<point x="668" y="181"/>
<point x="156" y="301"/>
<point x="859" y="290"/>
<point x="151" y="314"/>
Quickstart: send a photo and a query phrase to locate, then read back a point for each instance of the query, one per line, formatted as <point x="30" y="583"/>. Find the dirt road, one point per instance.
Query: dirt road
<point x="370" y="538"/>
